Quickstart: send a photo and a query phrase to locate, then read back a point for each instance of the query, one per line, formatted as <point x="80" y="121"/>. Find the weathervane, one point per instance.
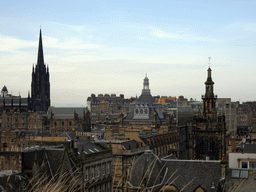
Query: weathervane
<point x="209" y="61"/>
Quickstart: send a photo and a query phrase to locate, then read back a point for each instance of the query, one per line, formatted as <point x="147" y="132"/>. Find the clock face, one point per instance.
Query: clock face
<point x="141" y="111"/>
<point x="146" y="111"/>
<point x="137" y="111"/>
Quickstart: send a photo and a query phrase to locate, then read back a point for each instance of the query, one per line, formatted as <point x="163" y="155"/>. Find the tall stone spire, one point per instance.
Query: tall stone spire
<point x="209" y="85"/>
<point x="40" y="85"/>
<point x="40" y="56"/>
<point x="209" y="98"/>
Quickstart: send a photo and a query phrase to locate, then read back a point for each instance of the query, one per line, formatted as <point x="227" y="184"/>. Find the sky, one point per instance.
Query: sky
<point x="109" y="46"/>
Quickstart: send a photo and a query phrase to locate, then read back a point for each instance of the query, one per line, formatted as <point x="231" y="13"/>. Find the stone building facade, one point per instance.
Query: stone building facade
<point x="64" y="119"/>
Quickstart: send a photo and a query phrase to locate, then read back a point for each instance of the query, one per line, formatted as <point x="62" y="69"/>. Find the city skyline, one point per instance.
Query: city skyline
<point x="109" y="46"/>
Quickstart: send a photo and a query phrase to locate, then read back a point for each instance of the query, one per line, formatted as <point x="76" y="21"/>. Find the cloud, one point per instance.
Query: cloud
<point x="240" y="26"/>
<point x="162" y="34"/>
<point x="74" y="44"/>
<point x="9" y="44"/>
<point x="159" y="33"/>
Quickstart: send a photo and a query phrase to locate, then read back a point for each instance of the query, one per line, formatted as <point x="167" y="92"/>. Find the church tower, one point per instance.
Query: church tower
<point x="209" y="128"/>
<point x="209" y="99"/>
<point x="40" y="85"/>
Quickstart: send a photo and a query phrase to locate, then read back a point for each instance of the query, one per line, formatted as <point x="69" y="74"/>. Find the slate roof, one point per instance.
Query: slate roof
<point x="29" y="157"/>
<point x="147" y="169"/>
<point x="192" y="174"/>
<point x="51" y="155"/>
<point x="171" y="156"/>
<point x="23" y="134"/>
<point x="88" y="147"/>
<point x="100" y="128"/>
<point x="248" y="148"/>
<point x="130" y="144"/>
<point x="104" y="98"/>
<point x="69" y="135"/>
<point x="43" y="133"/>
<point x="54" y="157"/>
<point x="112" y="116"/>
<point x="65" y="112"/>
<point x="151" y="114"/>
<point x="14" y="100"/>
<point x="16" y="182"/>
<point x="145" y="100"/>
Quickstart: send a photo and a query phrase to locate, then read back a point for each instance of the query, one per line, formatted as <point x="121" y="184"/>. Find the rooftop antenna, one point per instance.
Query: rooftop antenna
<point x="209" y="61"/>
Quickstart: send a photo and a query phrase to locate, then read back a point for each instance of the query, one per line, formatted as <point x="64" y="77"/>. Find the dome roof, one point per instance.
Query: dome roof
<point x="4" y="88"/>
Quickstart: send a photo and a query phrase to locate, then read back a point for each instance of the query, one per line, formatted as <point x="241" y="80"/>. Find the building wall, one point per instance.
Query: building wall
<point x="235" y="159"/>
<point x="229" y="109"/>
<point x="14" y="120"/>
<point x="11" y="161"/>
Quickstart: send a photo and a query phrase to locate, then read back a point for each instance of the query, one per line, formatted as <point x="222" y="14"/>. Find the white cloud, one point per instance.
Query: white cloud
<point x="9" y="44"/>
<point x="156" y="32"/>
<point x="162" y="34"/>
<point x="74" y="44"/>
<point x="240" y="26"/>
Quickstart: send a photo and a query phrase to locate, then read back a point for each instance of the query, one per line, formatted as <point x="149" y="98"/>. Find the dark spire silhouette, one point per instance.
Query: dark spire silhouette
<point x="40" y="56"/>
<point x="40" y="85"/>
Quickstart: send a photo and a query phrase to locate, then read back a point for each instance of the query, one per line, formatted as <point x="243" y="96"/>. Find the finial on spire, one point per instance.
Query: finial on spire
<point x="209" y="61"/>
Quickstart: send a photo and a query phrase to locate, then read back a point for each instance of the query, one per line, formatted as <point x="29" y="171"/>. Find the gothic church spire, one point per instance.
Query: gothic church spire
<point x="40" y="85"/>
<point x="40" y="56"/>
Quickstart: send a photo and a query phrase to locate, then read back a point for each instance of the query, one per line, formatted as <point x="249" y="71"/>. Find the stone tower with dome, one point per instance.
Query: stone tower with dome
<point x="145" y="109"/>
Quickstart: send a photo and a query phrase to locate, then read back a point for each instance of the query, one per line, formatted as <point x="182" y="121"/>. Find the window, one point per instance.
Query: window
<point x="108" y="168"/>
<point x="252" y="165"/>
<point x="87" y="173"/>
<point x="244" y="165"/>
<point x="92" y="172"/>
<point x="62" y="123"/>
<point x="103" y="169"/>
<point x="98" y="171"/>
